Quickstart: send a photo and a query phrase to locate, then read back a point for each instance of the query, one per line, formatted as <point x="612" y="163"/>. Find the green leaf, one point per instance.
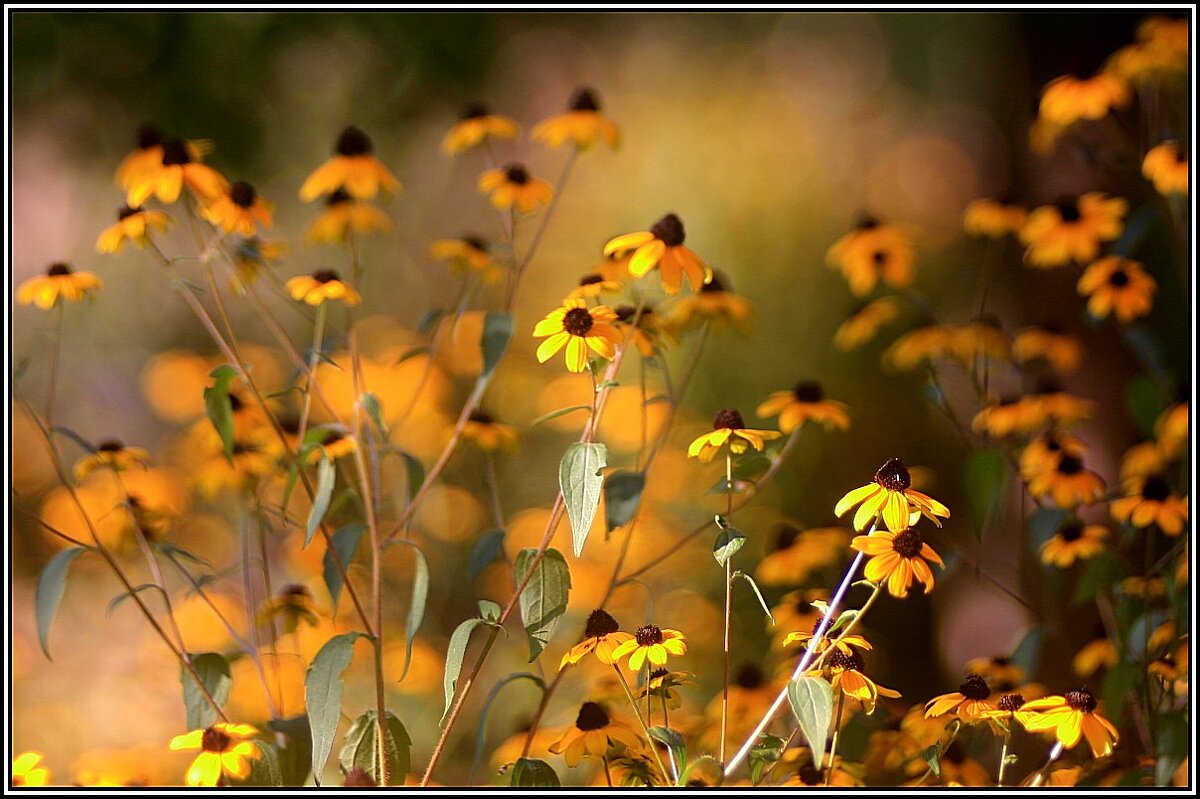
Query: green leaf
<point x="416" y="474"/>
<point x="50" y="587"/>
<point x="481" y="728"/>
<point x="416" y="606"/>
<point x="766" y="751"/>
<point x="1120" y="680"/>
<point x="345" y="542"/>
<point x="489" y="610"/>
<point x="530" y="773"/>
<point x="932" y="755"/>
<point x="454" y="658"/>
<point x="323" y="696"/>
<point x="709" y="764"/>
<point x="410" y="354"/>
<point x="812" y="702"/>
<point x="544" y="600"/>
<point x="121" y="597"/>
<point x="984" y="477"/>
<point x="326" y="475"/>
<point x="728" y="542"/>
<point x="581" y="482"/>
<point x="487" y="550"/>
<point x="265" y="771"/>
<point x="429" y="320"/>
<point x="622" y="496"/>
<point x="1029" y="651"/>
<point x="1145" y="403"/>
<point x="674" y="742"/>
<point x="1174" y="744"/>
<point x="295" y="758"/>
<point x="214" y="674"/>
<point x="360" y="747"/>
<point x="168" y="548"/>
<point x="218" y="407"/>
<point x="750" y="467"/>
<point x="1101" y="573"/>
<point x="371" y="404"/>
<point x="497" y="330"/>
<point x="545" y="417"/>
<point x="761" y="601"/>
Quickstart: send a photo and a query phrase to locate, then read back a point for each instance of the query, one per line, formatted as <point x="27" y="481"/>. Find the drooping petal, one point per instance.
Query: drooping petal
<point x="550" y="346"/>
<point x="854" y="497"/>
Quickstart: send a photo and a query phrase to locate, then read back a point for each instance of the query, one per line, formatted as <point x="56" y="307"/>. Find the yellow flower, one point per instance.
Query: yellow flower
<point x="1007" y="707"/>
<point x="662" y="246"/>
<point x="293" y="604"/>
<point x="513" y="186"/>
<point x="477" y="125"/>
<point x="1166" y="166"/>
<point x="578" y="328"/>
<point x="1067" y="99"/>
<point x="982" y="337"/>
<point x="802" y="404"/>
<point x="645" y="334"/>
<point x="1151" y="501"/>
<point x="993" y="218"/>
<point x="716" y="304"/>
<point x="601" y="635"/>
<point x="133" y="224"/>
<point x="27" y="771"/>
<point x="843" y="645"/>
<point x="178" y="165"/>
<point x="889" y="496"/>
<point x="148" y="153"/>
<point x="968" y="703"/>
<point x="1068" y="484"/>
<point x="44" y="291"/>
<point x="1118" y="286"/>
<point x="353" y="168"/>
<point x="795" y="554"/>
<point x="925" y="343"/>
<point x="593" y="733"/>
<point x="1043" y="453"/>
<point x="255" y="455"/>
<point x="468" y="254"/>
<point x="863" y="324"/>
<point x="111" y="454"/>
<point x="1161" y="51"/>
<point x="335" y="444"/>
<point x="322" y="285"/>
<point x="1073" y="541"/>
<point x="729" y="427"/>
<point x="848" y="678"/>
<point x="999" y="670"/>
<point x="898" y="558"/>
<point x="581" y="125"/>
<point x="1072" y="230"/>
<point x="488" y="434"/>
<point x="343" y="215"/>
<point x="1062" y="351"/>
<point x="225" y="751"/>
<point x="1171" y="427"/>
<point x="873" y="252"/>
<point x="239" y="210"/>
<point x="251" y="255"/>
<point x="592" y="286"/>
<point x="651" y="643"/>
<point x="1071" y="717"/>
<point x="1142" y="460"/>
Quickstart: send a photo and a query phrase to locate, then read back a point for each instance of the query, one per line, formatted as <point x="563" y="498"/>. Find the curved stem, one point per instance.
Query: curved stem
<point x="1003" y="758"/>
<point x="645" y="731"/>
<point x="837" y="731"/>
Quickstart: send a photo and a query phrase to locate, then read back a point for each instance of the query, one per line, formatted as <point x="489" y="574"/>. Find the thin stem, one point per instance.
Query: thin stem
<point x="728" y="610"/>
<point x="494" y="491"/>
<point x="950" y="740"/>
<point x="55" y="357"/>
<point x="607" y="774"/>
<point x="1003" y="758"/>
<point x="541" y="229"/>
<point x="314" y="359"/>
<point x="645" y="731"/>
<point x="837" y="731"/>
<point x="1040" y="777"/>
<point x="151" y="563"/>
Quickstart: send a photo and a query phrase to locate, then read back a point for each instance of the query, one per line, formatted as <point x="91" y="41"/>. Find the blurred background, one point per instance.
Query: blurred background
<point x="769" y="134"/>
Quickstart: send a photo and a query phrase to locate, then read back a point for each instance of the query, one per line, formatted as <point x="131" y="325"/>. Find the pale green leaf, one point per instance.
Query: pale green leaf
<point x="728" y="542"/>
<point x="50" y="587"/>
<point x="497" y="330"/>
<point x="323" y="695"/>
<point x="544" y="600"/>
<point x="218" y="407"/>
<point x="530" y="773"/>
<point x="345" y="542"/>
<point x="487" y="550"/>
<point x="812" y="703"/>
<point x="326" y="475"/>
<point x="622" y="496"/>
<point x="580" y="480"/>
<point x="360" y="748"/>
<point x="214" y="674"/>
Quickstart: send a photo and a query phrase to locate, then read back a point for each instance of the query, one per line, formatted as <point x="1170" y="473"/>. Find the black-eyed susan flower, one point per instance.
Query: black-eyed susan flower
<point x="513" y="187"/>
<point x="1009" y="416"/>
<point x="890" y="496"/>
<point x="899" y="558"/>
<point x="641" y="328"/>
<point x="863" y="324"/>
<point x="59" y="281"/>
<point x="147" y="155"/>
<point x="1152" y="501"/>
<point x="993" y="218"/>
<point x="795" y="554"/>
<point x="927" y="342"/>
<point x="1141" y="461"/>
<point x="1058" y="407"/>
<point x="662" y="246"/>
<point x="488" y="434"/>
<point x="602" y="635"/>
<point x="593" y="733"/>
<point x="847" y="677"/>
<point x="353" y="168"/>
<point x="1072" y="230"/>
<point x="803" y="773"/>
<point x="804" y="403"/>
<point x="1171" y="426"/>
<point x="582" y="125"/>
<point x="333" y="445"/>
<point x="1159" y="54"/>
<point x="968" y="703"/>
<point x="842" y="644"/>
<point x="179" y="166"/>
<point x="796" y="611"/>
<point x="873" y="252"/>
<point x="239" y="210"/>
<point x="225" y="751"/>
<point x="662" y="685"/>
<point x="468" y="255"/>
<point x="982" y="337"/>
<point x="1117" y="286"/>
<point x="28" y="771"/>
<point x="322" y="285"/>
<point x="1009" y="706"/>
<point x="1166" y="166"/>
<point x="342" y="216"/>
<point x="1068" y="484"/>
<point x="1068" y="99"/>
<point x="133" y="224"/>
<point x="1043" y="453"/>
<point x="728" y="427"/>
<point x="999" y="671"/>
<point x="293" y="604"/>
<point x="653" y="644"/>
<point x="592" y="286"/>
<point x="255" y="456"/>
<point x="1070" y="717"/>
<point x="251" y="256"/>
<point x="715" y="304"/>
<point x="1061" y="350"/>
<point x="615" y="266"/>
<point x="111" y="454"/>
<point x="477" y="125"/>
<point x="578" y="328"/>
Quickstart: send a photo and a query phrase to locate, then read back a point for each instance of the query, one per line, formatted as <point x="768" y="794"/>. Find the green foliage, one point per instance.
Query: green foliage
<point x="767" y="750"/>
<point x="757" y="593"/>
<point x="345" y="542"/>
<point x="481" y="727"/>
<point x="545" y="417"/>
<point x="360" y="748"/>
<point x="728" y="542"/>
<point x="487" y="550"/>
<point x="213" y="671"/>
<point x="674" y="742"/>
<point x="580" y="480"/>
<point x="812" y="702"/>
<point x="544" y="600"/>
<point x="50" y="587"/>
<point x="497" y="330"/>
<point x="530" y="773"/>
<point x="326" y="475"/>
<point x="416" y="605"/>
<point x="454" y="658"/>
<point x="984" y="477"/>
<point x="218" y="407"/>
<point x="323" y="695"/>
<point x="622" y="496"/>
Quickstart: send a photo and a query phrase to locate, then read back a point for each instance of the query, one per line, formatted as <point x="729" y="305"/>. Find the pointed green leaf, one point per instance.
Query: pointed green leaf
<point x="326" y="475"/>
<point x="932" y="755"/>
<point x="673" y="740"/>
<point x="345" y="542"/>
<point x="121" y="597"/>
<point x="761" y="601"/>
<point x="580" y="480"/>
<point x="50" y="587"/>
<point x="371" y="404"/>
<point x="416" y="474"/>
<point x="622" y="496"/>
<point x="728" y="542"/>
<point x="359" y="748"/>
<point x="489" y="610"/>
<point x="487" y="550"/>
<point x="168" y="548"/>
<point x="1101" y="574"/>
<point x="481" y="728"/>
<point x="323" y="695"/>
<point x="544" y="600"/>
<point x="768" y="750"/>
<point x="812" y="702"/>
<point x="265" y="771"/>
<point x="416" y="605"/>
<point x="1173" y="745"/>
<point x="218" y="407"/>
<point x="295" y="757"/>
<point x="545" y="417"/>
<point x="214" y="673"/>
<point x="531" y="773"/>
<point x="454" y="659"/>
<point x="984" y="478"/>
<point x="497" y="330"/>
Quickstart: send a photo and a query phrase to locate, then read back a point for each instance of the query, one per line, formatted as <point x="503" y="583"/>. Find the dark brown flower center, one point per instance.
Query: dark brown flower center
<point x="1071" y="531"/>
<point x="840" y="660"/>
<point x="907" y="544"/>
<point x="785" y="536"/>
<point x="1052" y="443"/>
<point x="658" y="674"/>
<point x="1119" y="278"/>
<point x="1156" y="489"/>
<point x="716" y="284"/>
<point x="242" y="194"/>
<point x="325" y="276"/>
<point x="58" y="270"/>
<point x="1010" y="702"/>
<point x="1068" y="210"/>
<point x="353" y="142"/>
<point x="338" y="197"/>
<point x="591" y="717"/>
<point x="578" y="321"/>
<point x="481" y="417"/>
<point x="749" y="677"/>
<point x="332" y="437"/>
<point x="110" y="445"/>
<point x="867" y="222"/>
<point x="175" y="152"/>
<point x="591" y="280"/>
<point x="728" y="418"/>
<point x="1081" y="699"/>
<point x="214" y="740"/>
<point x="648" y="635"/>
<point x="669" y="230"/>
<point x="880" y="257"/>
<point x="808" y="391"/>
<point x="599" y="624"/>
<point x="515" y="173"/>
<point x="296" y="591"/>
<point x="625" y="313"/>
<point x="475" y="111"/>
<point x="477" y="243"/>
<point x="955" y="753"/>
<point x="236" y="404"/>
<point x="1070" y="465"/>
<point x="148" y="136"/>
<point x="974" y="687"/>
<point x="893" y="475"/>
<point x="125" y="211"/>
<point x="584" y="99"/>
<point x="811" y="775"/>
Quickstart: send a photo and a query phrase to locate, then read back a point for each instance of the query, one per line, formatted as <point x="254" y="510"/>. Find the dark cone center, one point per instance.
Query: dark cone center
<point x="1081" y="700"/>
<point x="749" y="677"/>
<point x="907" y="544"/>
<point x="481" y="417"/>
<point x="1119" y="278"/>
<point x="599" y="624"/>
<point x="477" y="243"/>
<point x="1071" y="532"/>
<point x="236" y="404"/>
<point x="867" y="222"/>
<point x="584" y="99"/>
<point x="840" y="660"/>
<point x="591" y="280"/>
<point x="325" y="276"/>
<point x="578" y="321"/>
<point x="715" y="285"/>
<point x="658" y="674"/>
<point x="669" y="230"/>
<point x="811" y="775"/>
<point x="331" y="438"/>
<point x="475" y="111"/>
<point x="1070" y="465"/>
<point x="1068" y="211"/>
<point x="214" y="740"/>
<point x="242" y="194"/>
<point x="515" y="173"/>
<point x="591" y="717"/>
<point x="894" y="475"/>
<point x="353" y="142"/>
<point x="295" y="591"/>
<point x="1156" y="489"/>
<point x="58" y="270"/>
<point x="148" y="136"/>
<point x="125" y="211"/>
<point x="111" y="445"/>
<point x="785" y="536"/>
<point x="728" y="418"/>
<point x="808" y="391"/>
<point x="648" y="635"/>
<point x="338" y="197"/>
<point x="175" y="152"/>
<point x="880" y="257"/>
<point x="1010" y="702"/>
<point x="974" y="687"/>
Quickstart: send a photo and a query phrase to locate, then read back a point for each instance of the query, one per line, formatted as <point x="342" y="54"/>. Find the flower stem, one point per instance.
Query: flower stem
<point x="1003" y="758"/>
<point x="1040" y="777"/>
<point x="728" y="609"/>
<point x="607" y="773"/>
<point x="314" y="359"/>
<point x="55" y="357"/>
<point x="645" y="731"/>
<point x="837" y="731"/>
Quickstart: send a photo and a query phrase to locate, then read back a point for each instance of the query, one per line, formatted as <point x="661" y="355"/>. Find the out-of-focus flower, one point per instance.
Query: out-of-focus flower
<point x="651" y="643"/>
<point x="927" y="342"/>
<point x="1068" y="99"/>
<point x="716" y="304"/>
<point x="178" y="166"/>
<point x="968" y="703"/>
<point x="1093" y="656"/>
<point x="110" y="454"/>
<point x="804" y="403"/>
<point x="1142" y="460"/>
<point x="1171" y="426"/>
<point x="239" y="210"/>
<point x="863" y="324"/>
<point x="578" y="328"/>
<point x="466" y="255"/>
<point x="293" y="604"/>
<point x="44" y="291"/>
<point x="581" y="125"/>
<point x="1072" y="230"/>
<point x="1068" y="484"/>
<point x="993" y="218"/>
<point x="344" y="215"/>
<point x="645" y="335"/>
<point x="1151" y="501"/>
<point x="477" y="125"/>
<point x="225" y="750"/>
<point x="28" y="771"/>
<point x="796" y="554"/>
<point x="322" y="285"/>
<point x="133" y="224"/>
<point x="899" y="558"/>
<point x="796" y="611"/>
<point x="999" y="670"/>
<point x="1117" y="286"/>
<point x="1166" y="166"/>
<point x="728" y="427"/>
<point x="1071" y="717"/>
<point x="514" y="187"/>
<point x="353" y="168"/>
<point x="251" y="256"/>
<point x="592" y="286"/>
<point x="662" y="685"/>
<point x="872" y="252"/>
<point x="1074" y="541"/>
<point x="1044" y="452"/>
<point x="662" y="246"/>
<point x="1062" y="351"/>
<point x="601" y="635"/>
<point x="488" y="434"/>
<point x="890" y="496"/>
<point x="980" y="338"/>
<point x="593" y="733"/>
<point x="849" y="679"/>
<point x="1160" y="53"/>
